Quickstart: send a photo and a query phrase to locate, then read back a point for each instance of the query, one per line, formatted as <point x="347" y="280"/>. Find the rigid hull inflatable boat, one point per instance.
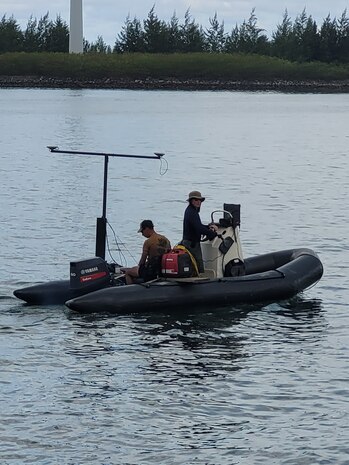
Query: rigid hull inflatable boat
<point x="269" y="277"/>
<point x="228" y="278"/>
<point x="96" y="285"/>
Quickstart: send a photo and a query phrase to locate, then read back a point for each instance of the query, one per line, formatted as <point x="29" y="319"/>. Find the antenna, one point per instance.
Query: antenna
<point x="75" y="32"/>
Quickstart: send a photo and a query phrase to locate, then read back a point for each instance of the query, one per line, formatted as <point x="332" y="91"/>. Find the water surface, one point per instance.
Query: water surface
<point x="247" y="385"/>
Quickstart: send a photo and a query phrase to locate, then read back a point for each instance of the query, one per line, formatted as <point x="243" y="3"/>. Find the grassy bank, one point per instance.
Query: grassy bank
<point x="197" y="66"/>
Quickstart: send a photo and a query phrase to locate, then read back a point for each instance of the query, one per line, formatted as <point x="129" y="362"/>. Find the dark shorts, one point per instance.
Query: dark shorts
<point x="150" y="271"/>
<point x="146" y="273"/>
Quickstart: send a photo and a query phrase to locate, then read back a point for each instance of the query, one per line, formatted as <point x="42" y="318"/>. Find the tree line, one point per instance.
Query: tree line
<point x="301" y="40"/>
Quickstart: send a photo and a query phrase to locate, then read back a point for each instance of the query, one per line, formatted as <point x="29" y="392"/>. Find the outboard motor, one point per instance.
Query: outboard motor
<point x="90" y="274"/>
<point x="223" y="255"/>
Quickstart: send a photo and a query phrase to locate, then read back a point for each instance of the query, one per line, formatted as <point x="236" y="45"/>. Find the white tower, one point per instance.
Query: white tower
<point x="75" y="33"/>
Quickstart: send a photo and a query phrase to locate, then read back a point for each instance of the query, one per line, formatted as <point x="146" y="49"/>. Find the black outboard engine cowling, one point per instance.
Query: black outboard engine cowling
<point x="91" y="273"/>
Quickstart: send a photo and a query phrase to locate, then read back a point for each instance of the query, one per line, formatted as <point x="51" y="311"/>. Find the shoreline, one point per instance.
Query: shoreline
<point x="277" y="85"/>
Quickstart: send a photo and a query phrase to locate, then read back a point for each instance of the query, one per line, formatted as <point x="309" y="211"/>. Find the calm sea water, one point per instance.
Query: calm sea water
<point x="248" y="385"/>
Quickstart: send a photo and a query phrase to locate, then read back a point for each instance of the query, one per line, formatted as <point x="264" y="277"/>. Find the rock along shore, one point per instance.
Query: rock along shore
<point x="174" y="84"/>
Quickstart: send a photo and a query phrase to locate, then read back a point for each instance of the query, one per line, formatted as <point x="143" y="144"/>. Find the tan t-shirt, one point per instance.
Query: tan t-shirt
<point x="156" y="245"/>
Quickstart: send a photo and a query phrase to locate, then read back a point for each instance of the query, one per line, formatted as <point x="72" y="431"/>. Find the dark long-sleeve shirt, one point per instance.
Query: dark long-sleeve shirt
<point x="193" y="229"/>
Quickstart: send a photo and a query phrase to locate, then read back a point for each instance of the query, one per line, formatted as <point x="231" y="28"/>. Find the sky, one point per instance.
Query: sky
<point x="106" y="17"/>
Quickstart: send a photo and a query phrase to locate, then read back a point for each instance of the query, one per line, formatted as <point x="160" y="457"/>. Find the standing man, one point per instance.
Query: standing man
<point x="193" y="229"/>
<point x="153" y="248"/>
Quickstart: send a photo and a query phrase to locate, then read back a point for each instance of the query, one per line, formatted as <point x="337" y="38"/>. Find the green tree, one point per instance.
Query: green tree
<point x="156" y="37"/>
<point x="248" y="38"/>
<point x="131" y="37"/>
<point x="192" y="35"/>
<point x="328" y="47"/>
<point x="57" y="36"/>
<point x="11" y="37"/>
<point x="232" y="41"/>
<point x="256" y="40"/>
<point x="310" y="42"/>
<point x="282" y="38"/>
<point x="98" y="47"/>
<point x="305" y="38"/>
<point x="174" y="34"/>
<point x="343" y="38"/>
<point x="43" y="29"/>
<point x="215" y="35"/>
<point x="31" y="39"/>
<point x="45" y="35"/>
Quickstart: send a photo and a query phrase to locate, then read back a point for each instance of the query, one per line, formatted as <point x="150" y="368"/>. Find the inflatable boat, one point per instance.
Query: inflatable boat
<point x="270" y="277"/>
<point x="229" y="279"/>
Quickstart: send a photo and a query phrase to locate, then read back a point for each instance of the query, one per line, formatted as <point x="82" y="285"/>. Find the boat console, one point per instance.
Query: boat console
<point x="223" y="255"/>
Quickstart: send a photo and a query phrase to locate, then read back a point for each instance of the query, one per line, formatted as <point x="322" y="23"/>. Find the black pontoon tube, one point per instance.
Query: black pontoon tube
<point x="272" y="277"/>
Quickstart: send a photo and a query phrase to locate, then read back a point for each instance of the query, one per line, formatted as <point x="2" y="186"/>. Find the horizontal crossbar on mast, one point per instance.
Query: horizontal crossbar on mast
<point x="55" y="149"/>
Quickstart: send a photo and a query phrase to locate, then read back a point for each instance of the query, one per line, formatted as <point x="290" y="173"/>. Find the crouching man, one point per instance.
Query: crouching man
<point x="154" y="247"/>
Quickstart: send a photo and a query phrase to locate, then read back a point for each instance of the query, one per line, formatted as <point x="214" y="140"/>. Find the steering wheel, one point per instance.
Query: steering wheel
<point x="205" y="239"/>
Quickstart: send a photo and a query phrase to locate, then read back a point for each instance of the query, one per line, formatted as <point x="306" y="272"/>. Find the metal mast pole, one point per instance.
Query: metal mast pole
<point x="101" y="227"/>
